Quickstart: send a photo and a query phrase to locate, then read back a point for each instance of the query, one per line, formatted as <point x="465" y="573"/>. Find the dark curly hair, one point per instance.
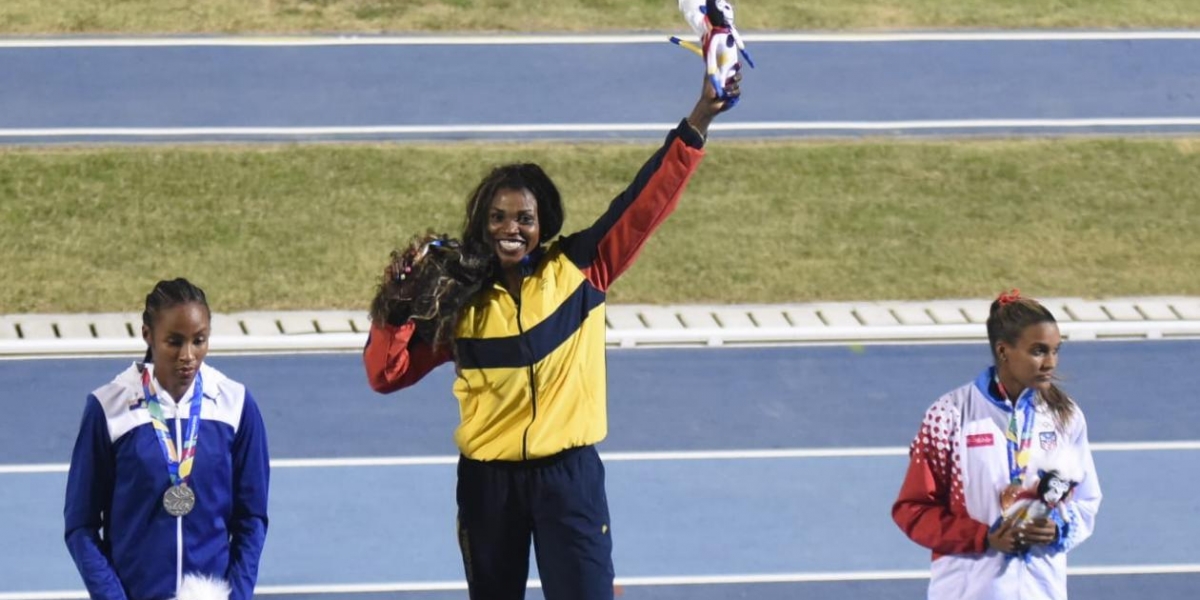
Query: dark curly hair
<point x="436" y="275"/>
<point x="516" y="176"/>
<point x="428" y="282"/>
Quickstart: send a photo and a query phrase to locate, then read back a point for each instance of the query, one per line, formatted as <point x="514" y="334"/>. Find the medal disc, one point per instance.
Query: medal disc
<point x="179" y="500"/>
<point x="1008" y="496"/>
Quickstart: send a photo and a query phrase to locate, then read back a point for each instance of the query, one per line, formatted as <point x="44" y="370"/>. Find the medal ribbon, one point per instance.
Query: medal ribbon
<point x="1018" y="445"/>
<point x="179" y="467"/>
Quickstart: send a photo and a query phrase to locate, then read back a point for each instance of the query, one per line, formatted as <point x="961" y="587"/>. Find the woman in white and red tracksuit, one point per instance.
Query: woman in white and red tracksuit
<point x="978" y="449"/>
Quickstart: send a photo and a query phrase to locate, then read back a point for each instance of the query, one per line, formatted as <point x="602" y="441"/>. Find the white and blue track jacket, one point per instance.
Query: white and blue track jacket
<point x="958" y="468"/>
<point x="124" y="543"/>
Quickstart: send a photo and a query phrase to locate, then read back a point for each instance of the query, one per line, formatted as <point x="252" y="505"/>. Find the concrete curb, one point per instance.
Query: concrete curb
<point x="32" y="335"/>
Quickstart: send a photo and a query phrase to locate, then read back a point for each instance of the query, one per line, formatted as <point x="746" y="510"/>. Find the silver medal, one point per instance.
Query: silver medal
<point x="179" y="500"/>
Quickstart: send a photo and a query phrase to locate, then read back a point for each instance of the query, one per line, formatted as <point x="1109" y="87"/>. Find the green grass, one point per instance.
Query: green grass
<point x="287" y="227"/>
<point x="25" y="17"/>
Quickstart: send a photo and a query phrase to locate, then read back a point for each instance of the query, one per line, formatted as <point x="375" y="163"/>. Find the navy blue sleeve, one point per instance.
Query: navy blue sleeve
<point x="251" y="480"/>
<point x="88" y="500"/>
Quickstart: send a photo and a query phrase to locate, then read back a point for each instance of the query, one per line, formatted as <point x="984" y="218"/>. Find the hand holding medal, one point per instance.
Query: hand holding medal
<point x="1009" y="496"/>
<point x="1027" y="505"/>
<point x="1006" y="537"/>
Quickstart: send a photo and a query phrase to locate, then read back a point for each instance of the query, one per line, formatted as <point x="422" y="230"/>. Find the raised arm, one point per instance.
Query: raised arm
<point x="606" y="249"/>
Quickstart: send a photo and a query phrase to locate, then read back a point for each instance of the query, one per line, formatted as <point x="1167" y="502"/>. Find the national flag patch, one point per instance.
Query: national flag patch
<point x="1048" y="439"/>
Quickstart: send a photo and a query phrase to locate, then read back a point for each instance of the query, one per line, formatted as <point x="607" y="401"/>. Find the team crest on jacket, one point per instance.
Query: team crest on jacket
<point x="1049" y="440"/>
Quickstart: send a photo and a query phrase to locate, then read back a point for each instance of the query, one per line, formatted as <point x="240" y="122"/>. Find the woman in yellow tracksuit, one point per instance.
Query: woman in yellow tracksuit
<point x="529" y="347"/>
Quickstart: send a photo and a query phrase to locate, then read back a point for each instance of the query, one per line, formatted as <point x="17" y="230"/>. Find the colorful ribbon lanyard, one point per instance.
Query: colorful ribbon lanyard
<point x="1018" y="447"/>
<point x="179" y="467"/>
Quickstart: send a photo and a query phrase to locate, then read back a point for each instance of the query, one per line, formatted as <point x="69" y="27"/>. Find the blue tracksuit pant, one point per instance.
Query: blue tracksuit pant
<point x="559" y="502"/>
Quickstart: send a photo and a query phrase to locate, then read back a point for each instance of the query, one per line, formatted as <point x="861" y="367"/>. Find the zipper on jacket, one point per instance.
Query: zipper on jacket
<point x="178" y="520"/>
<point x="532" y="383"/>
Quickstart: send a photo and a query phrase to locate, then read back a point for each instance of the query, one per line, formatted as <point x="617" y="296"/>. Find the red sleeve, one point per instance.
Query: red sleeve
<point x="606" y="249"/>
<point x="394" y="360"/>
<point x="931" y="509"/>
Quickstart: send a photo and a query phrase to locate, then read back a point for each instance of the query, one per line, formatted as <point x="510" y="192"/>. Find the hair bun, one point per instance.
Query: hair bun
<point x="1006" y="298"/>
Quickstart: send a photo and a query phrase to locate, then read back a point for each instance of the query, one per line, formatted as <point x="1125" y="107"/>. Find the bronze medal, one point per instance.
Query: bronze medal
<point x="1008" y="496"/>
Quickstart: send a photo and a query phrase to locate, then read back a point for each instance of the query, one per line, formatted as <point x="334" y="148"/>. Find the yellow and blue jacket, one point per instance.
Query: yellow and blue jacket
<point x="531" y="371"/>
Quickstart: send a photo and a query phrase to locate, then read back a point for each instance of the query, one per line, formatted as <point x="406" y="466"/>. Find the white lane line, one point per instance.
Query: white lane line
<point x="885" y="575"/>
<point x="325" y="131"/>
<point x="535" y="128"/>
<point x="530" y="128"/>
<point x="738" y="579"/>
<point x="961" y="124"/>
<point x="1134" y="570"/>
<point x="337" y="130"/>
<point x="618" y="39"/>
<point x="406" y="461"/>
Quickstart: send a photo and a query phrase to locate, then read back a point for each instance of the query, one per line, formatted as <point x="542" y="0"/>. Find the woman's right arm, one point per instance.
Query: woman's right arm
<point x="394" y="360"/>
<point x="923" y="509"/>
<point x="89" y="496"/>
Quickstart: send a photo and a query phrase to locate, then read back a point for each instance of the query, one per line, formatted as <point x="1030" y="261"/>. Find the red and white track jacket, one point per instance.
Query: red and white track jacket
<point x="950" y="498"/>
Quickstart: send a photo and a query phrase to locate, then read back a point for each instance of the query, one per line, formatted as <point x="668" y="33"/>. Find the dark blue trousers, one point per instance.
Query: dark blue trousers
<point x="559" y="502"/>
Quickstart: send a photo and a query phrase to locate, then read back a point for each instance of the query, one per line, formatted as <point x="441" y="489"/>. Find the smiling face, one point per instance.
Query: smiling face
<point x="178" y="342"/>
<point x="512" y="226"/>
<point x="1030" y="362"/>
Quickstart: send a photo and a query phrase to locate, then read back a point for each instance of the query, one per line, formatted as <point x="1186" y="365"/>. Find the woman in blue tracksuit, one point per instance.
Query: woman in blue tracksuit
<point x="170" y="472"/>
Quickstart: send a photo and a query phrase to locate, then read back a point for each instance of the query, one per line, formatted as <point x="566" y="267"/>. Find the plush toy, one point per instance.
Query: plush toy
<point x="1057" y="477"/>
<point x="428" y="282"/>
<point x="202" y="587"/>
<point x="1037" y="502"/>
<point x="720" y="42"/>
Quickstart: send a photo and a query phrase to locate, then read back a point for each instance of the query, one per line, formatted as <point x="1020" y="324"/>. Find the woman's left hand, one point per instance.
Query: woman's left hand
<point x="710" y="104"/>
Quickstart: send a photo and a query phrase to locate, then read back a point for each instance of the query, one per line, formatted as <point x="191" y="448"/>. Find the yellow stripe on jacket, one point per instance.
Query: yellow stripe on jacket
<point x="531" y="376"/>
<point x="532" y="379"/>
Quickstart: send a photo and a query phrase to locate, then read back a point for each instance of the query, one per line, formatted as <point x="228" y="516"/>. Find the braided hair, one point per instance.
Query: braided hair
<point x="167" y="294"/>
